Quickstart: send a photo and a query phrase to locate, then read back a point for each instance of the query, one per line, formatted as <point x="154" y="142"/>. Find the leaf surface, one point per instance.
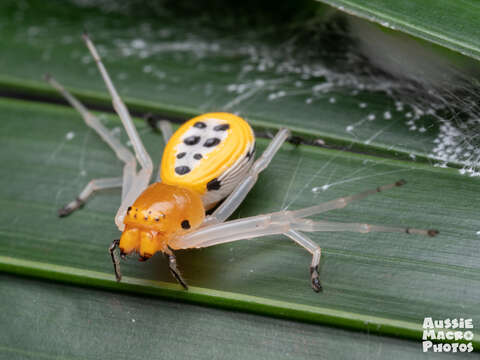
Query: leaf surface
<point x="382" y="282"/>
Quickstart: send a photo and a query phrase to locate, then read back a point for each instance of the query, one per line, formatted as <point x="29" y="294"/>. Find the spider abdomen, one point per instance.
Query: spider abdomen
<point x="209" y="154"/>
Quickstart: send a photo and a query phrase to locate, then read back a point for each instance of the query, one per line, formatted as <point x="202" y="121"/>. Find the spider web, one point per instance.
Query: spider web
<point x="319" y="62"/>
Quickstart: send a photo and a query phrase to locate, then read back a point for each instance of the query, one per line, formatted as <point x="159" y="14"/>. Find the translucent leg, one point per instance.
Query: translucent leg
<point x="165" y="127"/>
<point x="143" y="177"/>
<point x="92" y="121"/>
<point x="115" y="260"/>
<point x="92" y="186"/>
<point x="343" y="201"/>
<point x="276" y="223"/>
<point x="233" y="201"/>
<point x="283" y="222"/>
<point x="316" y="252"/>
<point x="172" y="265"/>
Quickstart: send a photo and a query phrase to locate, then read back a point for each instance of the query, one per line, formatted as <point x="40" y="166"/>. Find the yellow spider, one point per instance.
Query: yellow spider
<point x="208" y="159"/>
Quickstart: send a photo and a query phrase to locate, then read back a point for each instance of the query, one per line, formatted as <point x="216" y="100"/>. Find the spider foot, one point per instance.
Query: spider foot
<point x="432" y="232"/>
<point x="71" y="207"/>
<point x="152" y="122"/>
<point x="115" y="261"/>
<point x="294" y="140"/>
<point x="172" y="264"/>
<point x="315" y="281"/>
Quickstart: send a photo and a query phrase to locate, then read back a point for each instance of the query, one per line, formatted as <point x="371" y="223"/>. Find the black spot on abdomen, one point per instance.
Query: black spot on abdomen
<point x="222" y="127"/>
<point x="198" y="156"/>
<point x="182" y="170"/>
<point x="212" y="142"/>
<point x="200" y="125"/>
<point x="192" y="140"/>
<point x="213" y="184"/>
<point x="181" y="155"/>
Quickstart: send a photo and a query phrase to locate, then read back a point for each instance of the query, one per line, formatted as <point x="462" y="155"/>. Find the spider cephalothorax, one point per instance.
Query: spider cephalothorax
<point x="161" y="213"/>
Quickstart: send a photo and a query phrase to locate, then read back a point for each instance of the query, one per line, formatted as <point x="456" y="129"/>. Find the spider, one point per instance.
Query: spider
<point x="208" y="159"/>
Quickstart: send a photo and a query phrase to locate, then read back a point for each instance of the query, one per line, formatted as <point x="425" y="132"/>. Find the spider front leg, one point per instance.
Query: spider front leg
<point x="92" y="186"/>
<point x="233" y="201"/>
<point x="115" y="261"/>
<point x="172" y="265"/>
<point x="142" y="178"/>
<point x="121" y="151"/>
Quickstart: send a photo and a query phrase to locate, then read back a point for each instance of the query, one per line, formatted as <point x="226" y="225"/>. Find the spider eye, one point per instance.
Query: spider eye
<point x="185" y="224"/>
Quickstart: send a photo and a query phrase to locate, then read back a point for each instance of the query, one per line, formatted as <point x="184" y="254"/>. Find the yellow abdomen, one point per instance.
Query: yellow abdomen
<point x="209" y="155"/>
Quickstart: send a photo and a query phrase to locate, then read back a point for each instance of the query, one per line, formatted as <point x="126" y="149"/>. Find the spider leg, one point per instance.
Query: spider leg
<point x="340" y="203"/>
<point x="233" y="201"/>
<point x="172" y="265"/>
<point x="282" y="222"/>
<point x="92" y="186"/>
<point x="115" y="261"/>
<point x="276" y="223"/>
<point x="314" y="249"/>
<point x="165" y="127"/>
<point x="141" y="180"/>
<point x="121" y="151"/>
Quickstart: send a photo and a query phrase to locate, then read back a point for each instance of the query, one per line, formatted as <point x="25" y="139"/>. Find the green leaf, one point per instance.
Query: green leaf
<point x="381" y="282"/>
<point x="450" y="24"/>
<point x="72" y="322"/>
<point x="180" y="66"/>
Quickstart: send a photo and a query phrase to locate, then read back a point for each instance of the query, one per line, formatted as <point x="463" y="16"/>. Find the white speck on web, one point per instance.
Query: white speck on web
<point x="70" y="135"/>
<point x="138" y="44"/>
<point x="318" y="189"/>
